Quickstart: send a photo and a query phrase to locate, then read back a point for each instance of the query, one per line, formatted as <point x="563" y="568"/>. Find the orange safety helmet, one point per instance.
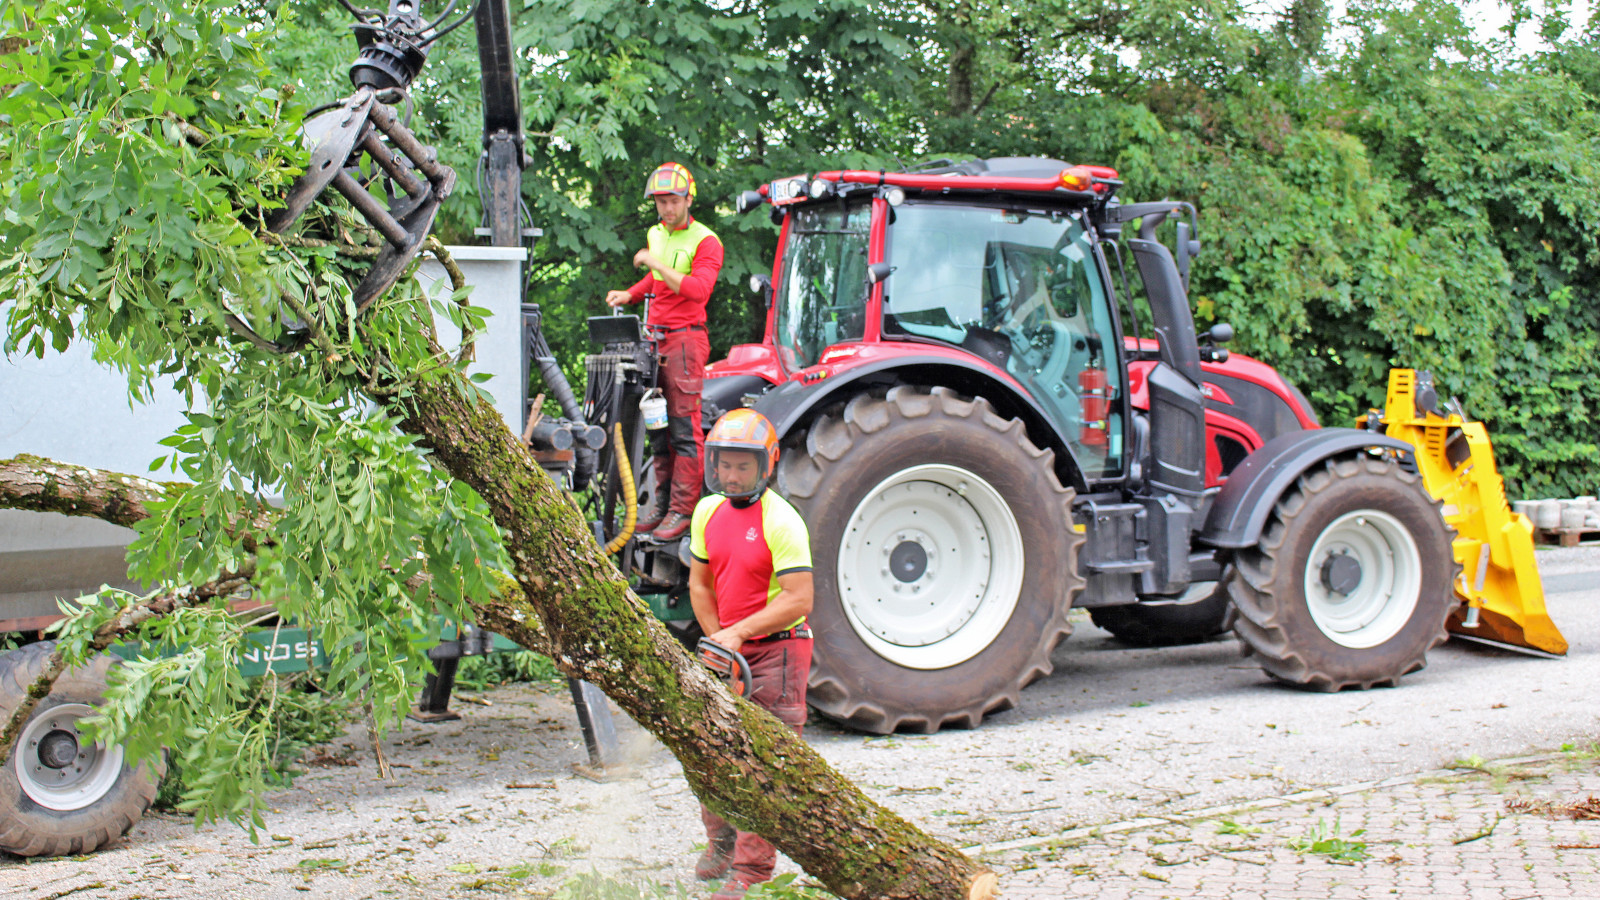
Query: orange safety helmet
<point x="670" y="178"/>
<point x="744" y="431"/>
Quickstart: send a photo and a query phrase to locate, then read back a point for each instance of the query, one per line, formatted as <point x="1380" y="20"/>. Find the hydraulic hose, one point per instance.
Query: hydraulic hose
<point x="630" y="500"/>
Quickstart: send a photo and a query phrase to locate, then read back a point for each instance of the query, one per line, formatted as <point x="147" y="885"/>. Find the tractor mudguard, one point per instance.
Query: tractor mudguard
<point x="1242" y="506"/>
<point x="792" y="402"/>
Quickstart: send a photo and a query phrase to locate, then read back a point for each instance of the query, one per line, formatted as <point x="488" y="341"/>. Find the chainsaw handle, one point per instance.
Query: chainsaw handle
<point x="730" y="665"/>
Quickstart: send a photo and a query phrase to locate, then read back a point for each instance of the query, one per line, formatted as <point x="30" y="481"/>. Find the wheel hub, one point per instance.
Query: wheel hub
<point x="1341" y="573"/>
<point x="908" y="561"/>
<point x="58" y="749"/>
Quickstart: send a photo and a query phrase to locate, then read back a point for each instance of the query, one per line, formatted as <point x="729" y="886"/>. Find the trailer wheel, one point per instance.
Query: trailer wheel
<point x="944" y="558"/>
<point x="1202" y="614"/>
<point x="61" y="794"/>
<point x="1350" y="584"/>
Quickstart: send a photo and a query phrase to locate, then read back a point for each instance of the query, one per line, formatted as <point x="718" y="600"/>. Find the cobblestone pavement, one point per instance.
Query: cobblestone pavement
<point x="1505" y="831"/>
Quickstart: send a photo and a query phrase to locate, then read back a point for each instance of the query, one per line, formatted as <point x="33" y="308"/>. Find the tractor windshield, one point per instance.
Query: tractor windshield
<point x="1022" y="289"/>
<point x="821" y="299"/>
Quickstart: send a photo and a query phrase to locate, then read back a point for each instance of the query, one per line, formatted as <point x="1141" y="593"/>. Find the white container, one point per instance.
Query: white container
<point x="1574" y="517"/>
<point x="653" y="407"/>
<point x="1525" y="508"/>
<point x="1548" y="514"/>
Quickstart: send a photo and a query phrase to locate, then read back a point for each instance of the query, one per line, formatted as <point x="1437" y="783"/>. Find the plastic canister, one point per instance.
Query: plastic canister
<point x="653" y="407"/>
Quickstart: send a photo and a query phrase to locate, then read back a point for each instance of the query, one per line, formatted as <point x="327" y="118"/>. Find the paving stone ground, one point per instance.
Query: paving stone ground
<point x="1497" y="833"/>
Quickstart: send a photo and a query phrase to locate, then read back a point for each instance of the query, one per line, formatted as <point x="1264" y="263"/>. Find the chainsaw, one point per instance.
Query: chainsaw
<point x="729" y="665"/>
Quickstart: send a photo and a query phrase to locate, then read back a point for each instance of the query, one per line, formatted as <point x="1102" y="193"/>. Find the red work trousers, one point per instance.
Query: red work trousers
<point x="778" y="673"/>
<point x="679" y="449"/>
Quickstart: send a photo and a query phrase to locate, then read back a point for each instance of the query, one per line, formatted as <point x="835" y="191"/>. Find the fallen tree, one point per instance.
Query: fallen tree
<point x="138" y="159"/>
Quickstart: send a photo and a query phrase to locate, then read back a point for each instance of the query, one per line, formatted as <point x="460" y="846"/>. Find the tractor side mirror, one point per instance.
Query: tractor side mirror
<point x="761" y="284"/>
<point x="748" y="200"/>
<point x="1210" y="349"/>
<point x="879" y="271"/>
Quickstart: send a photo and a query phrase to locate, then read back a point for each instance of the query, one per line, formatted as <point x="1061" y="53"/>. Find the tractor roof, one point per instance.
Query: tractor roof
<point x="1004" y="174"/>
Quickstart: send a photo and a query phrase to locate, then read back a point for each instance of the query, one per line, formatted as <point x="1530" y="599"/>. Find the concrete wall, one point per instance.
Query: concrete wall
<point x="69" y="408"/>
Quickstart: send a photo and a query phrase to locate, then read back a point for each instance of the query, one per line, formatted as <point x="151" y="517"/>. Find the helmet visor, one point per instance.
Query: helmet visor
<point x="736" y="472"/>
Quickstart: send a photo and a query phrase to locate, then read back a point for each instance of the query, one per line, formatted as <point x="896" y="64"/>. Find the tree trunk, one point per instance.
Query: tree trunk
<point x="741" y="761"/>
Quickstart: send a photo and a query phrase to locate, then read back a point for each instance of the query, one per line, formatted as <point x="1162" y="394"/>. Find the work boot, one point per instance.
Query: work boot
<point x="734" y="889"/>
<point x="650" y="517"/>
<point x="715" y="862"/>
<point x="671" y="528"/>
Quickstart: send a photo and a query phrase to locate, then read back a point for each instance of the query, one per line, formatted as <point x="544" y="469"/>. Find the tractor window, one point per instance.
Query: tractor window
<point x="823" y="295"/>
<point x="1023" y="290"/>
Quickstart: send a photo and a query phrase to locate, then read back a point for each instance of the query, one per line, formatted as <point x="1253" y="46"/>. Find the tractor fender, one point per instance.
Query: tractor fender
<point x="794" y="402"/>
<point x="1240" y="511"/>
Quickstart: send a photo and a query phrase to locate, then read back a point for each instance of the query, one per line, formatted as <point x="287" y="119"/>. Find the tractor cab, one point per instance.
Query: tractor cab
<point x="998" y="270"/>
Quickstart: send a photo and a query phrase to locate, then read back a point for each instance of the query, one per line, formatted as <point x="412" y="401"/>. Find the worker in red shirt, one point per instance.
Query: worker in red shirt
<point x="750" y="586"/>
<point x="683" y="257"/>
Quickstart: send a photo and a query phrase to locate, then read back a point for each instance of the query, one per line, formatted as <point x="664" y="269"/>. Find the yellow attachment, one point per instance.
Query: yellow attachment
<point x="630" y="502"/>
<point x="1502" y="597"/>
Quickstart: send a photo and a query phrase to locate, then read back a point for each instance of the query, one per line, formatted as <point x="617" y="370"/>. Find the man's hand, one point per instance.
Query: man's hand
<point x="730" y="638"/>
<point x="645" y="259"/>
<point x="615" y="299"/>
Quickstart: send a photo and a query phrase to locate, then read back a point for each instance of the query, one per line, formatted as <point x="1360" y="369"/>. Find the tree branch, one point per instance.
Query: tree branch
<point x="44" y="485"/>
<point x="162" y="603"/>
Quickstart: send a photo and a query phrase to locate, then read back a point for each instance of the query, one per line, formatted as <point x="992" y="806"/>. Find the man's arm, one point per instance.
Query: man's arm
<point x="792" y="602"/>
<point x="633" y="294"/>
<point x="695" y="286"/>
<point x="703" y="596"/>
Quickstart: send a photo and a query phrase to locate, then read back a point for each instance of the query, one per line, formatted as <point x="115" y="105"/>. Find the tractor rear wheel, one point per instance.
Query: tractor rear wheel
<point x="944" y="557"/>
<point x="1201" y="615"/>
<point x="61" y="793"/>
<point x="1349" y="585"/>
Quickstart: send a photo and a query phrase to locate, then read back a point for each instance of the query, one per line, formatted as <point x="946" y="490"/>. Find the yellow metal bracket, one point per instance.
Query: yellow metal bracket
<point x="1502" y="599"/>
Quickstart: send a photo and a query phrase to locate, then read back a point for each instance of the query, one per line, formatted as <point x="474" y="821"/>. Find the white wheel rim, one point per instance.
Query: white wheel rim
<point x="1390" y="579"/>
<point x="59" y="769"/>
<point x="930" y="567"/>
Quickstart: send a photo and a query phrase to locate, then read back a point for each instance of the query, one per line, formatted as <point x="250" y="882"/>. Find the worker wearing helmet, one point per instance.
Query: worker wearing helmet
<point x="750" y="586"/>
<point x="683" y="257"/>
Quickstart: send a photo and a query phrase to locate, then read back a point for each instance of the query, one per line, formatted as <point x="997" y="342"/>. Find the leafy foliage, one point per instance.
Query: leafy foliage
<point x="142" y="145"/>
<point x="1325" y="840"/>
<point x="288" y="711"/>
<point x="1408" y="194"/>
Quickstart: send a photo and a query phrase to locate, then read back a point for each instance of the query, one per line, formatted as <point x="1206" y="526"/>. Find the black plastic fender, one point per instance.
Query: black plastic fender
<point x="1241" y="508"/>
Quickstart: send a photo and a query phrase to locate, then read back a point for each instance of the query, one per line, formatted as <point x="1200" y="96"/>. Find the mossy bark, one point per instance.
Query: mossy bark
<point x="739" y="760"/>
<point x="44" y="485"/>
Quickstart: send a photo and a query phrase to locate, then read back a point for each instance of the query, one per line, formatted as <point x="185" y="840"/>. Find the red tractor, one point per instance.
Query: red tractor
<point x="984" y="430"/>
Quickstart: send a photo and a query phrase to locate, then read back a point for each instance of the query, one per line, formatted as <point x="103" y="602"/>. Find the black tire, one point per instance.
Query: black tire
<point x="981" y="474"/>
<point x="111" y="795"/>
<point x="1292" y="615"/>
<point x="1169" y="624"/>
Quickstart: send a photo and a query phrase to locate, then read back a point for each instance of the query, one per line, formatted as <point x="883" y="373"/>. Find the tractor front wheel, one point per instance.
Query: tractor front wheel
<point x="1349" y="585"/>
<point x="944" y="559"/>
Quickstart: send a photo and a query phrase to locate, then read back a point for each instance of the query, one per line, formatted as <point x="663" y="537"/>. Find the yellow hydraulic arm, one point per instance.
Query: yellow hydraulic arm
<point x="1502" y="599"/>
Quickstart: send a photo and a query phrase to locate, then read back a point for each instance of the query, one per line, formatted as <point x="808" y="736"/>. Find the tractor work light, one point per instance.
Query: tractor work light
<point x="895" y="196"/>
<point x="821" y="188"/>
